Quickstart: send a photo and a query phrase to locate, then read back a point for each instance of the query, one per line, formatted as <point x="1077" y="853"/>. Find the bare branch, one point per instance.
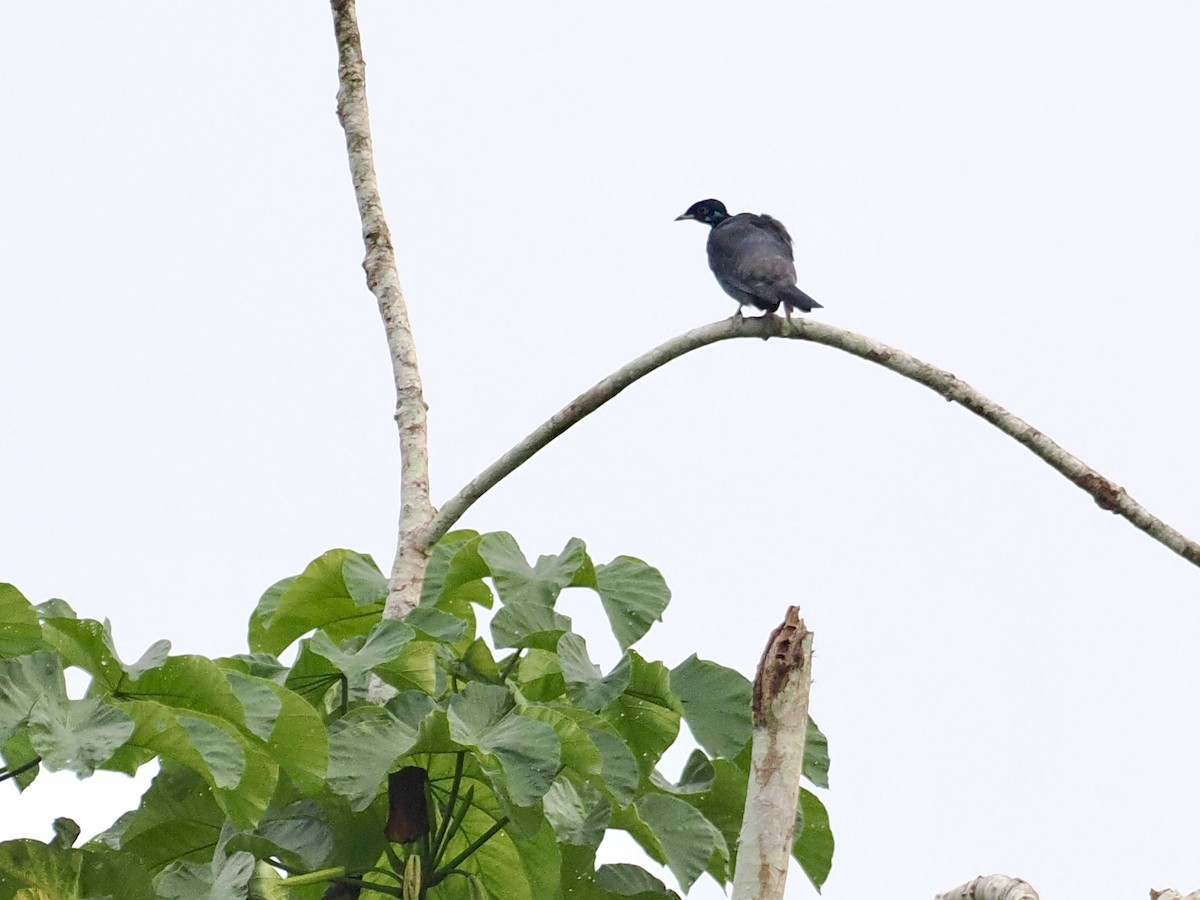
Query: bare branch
<point x="416" y="512"/>
<point x="1107" y="494"/>
<point x="781" y="690"/>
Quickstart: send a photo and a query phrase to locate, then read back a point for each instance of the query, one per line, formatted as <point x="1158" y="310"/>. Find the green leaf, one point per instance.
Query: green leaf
<point x="223" y="878"/>
<point x="20" y="632"/>
<point x="66" y="832"/>
<point x="20" y="758"/>
<point x="678" y="834"/>
<point x="579" y="753"/>
<point x="527" y="751"/>
<point x="618" y="767"/>
<point x="415" y="668"/>
<point x="357" y="657"/>
<point x="299" y="831"/>
<point x="89" y="645"/>
<point x="178" y="818"/>
<point x="816" y="755"/>
<point x="240" y="772"/>
<point x="364" y="746"/>
<point x="30" y="870"/>
<point x="528" y="625"/>
<point x="587" y="687"/>
<point x="628" y="880"/>
<point x="724" y="804"/>
<point x="365" y="584"/>
<point x="436" y="624"/>
<point x="813" y="845"/>
<point x="579" y="815"/>
<point x="188" y="683"/>
<point x="647" y="713"/>
<point x="78" y="735"/>
<point x="716" y="705"/>
<point x="539" y="676"/>
<point x="317" y="598"/>
<point x="454" y="562"/>
<point x="24" y="681"/>
<point x="518" y="582"/>
<point x="634" y="596"/>
<point x="295" y="734"/>
<point x="697" y="776"/>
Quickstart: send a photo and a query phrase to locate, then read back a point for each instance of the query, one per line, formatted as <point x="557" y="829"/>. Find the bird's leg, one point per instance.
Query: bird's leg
<point x="787" y="318"/>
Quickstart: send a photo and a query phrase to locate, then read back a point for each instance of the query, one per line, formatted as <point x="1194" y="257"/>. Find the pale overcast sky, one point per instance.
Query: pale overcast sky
<point x="196" y="396"/>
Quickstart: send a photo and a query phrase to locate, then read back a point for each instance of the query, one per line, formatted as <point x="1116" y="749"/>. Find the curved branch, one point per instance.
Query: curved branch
<point x="1107" y="494"/>
<point x="416" y="512"/>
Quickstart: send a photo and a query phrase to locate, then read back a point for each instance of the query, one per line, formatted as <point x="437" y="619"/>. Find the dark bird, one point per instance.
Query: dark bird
<point x="752" y="259"/>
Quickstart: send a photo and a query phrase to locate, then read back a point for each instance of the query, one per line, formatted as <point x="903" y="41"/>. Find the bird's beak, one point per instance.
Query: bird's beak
<point x="683" y="217"/>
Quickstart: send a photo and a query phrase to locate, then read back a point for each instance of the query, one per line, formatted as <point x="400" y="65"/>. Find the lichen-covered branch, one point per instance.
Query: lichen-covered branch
<point x="1107" y="494"/>
<point x="780" y="715"/>
<point x="416" y="512"/>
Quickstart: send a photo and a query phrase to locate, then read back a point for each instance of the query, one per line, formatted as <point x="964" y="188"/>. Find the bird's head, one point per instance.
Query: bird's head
<point x="710" y="212"/>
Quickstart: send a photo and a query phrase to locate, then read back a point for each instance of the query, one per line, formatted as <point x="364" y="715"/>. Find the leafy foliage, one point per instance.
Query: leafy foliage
<point x="273" y="779"/>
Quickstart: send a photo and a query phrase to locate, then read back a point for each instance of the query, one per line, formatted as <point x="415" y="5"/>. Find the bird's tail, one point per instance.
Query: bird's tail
<point x="794" y="298"/>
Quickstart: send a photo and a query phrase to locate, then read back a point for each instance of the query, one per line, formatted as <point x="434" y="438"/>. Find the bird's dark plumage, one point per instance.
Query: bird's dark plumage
<point x="751" y="256"/>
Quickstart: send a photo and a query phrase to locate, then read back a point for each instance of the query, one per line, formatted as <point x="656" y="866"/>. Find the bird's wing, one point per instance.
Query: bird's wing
<point x="766" y="223"/>
<point x="751" y="253"/>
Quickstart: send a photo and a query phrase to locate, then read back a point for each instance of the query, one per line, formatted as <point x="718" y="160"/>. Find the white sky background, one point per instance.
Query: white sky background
<point x="196" y="398"/>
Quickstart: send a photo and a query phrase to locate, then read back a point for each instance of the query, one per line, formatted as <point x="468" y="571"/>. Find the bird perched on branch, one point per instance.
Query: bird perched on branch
<point x="752" y="259"/>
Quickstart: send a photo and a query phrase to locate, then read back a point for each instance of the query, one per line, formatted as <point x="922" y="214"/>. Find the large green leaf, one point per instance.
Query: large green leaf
<point x="527" y="751"/>
<point x="177" y="818"/>
<point x="634" y="596"/>
<point x="579" y="815"/>
<point x="724" y="804"/>
<point x="89" y="645"/>
<point x="627" y="880"/>
<point x="414" y="668"/>
<point x="716" y="704"/>
<point x="78" y="735"/>
<point x="30" y="870"/>
<point x="364" y="746"/>
<point x="298" y="834"/>
<point x="813" y="844"/>
<point x="816" y="755"/>
<point x="295" y="734"/>
<point x="647" y="713"/>
<point x="23" y="681"/>
<point x="587" y="686"/>
<point x="528" y="625"/>
<point x="454" y="562"/>
<point x="188" y="683"/>
<point x="579" y="753"/>
<point x="239" y="770"/>
<point x="317" y="598"/>
<point x="619" y="767"/>
<point x="222" y="878"/>
<point x="20" y="632"/>
<point x="676" y="833"/>
<point x="697" y="776"/>
<point x="518" y="582"/>
<point x="358" y="656"/>
<point x="365" y="584"/>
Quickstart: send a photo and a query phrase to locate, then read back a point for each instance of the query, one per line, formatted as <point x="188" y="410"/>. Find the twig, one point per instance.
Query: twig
<point x="1107" y="494"/>
<point x="408" y="569"/>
